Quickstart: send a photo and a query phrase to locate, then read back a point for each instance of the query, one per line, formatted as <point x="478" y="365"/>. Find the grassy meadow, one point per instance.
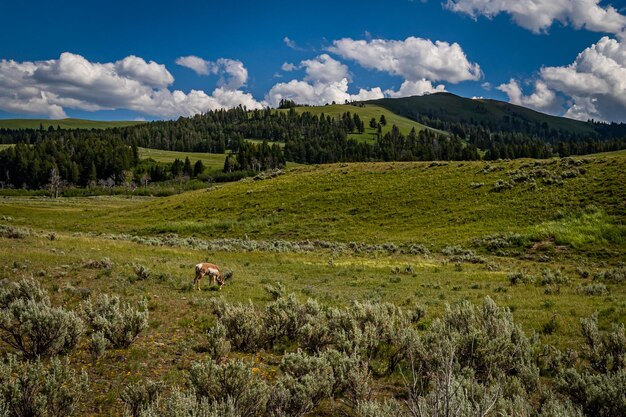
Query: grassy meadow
<point x="210" y="160"/>
<point x="365" y="113"/>
<point x="404" y="219"/>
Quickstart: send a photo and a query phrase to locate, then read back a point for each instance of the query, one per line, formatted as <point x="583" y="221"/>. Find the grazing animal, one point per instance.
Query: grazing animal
<point x="212" y="270"/>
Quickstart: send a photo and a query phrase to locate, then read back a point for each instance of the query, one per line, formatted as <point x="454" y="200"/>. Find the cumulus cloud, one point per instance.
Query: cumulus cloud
<point x="288" y="67"/>
<point x="416" y="88"/>
<point x="324" y="69"/>
<point x="595" y="81"/>
<point x="153" y="74"/>
<point x="413" y="59"/>
<point x="71" y="81"/>
<point x="542" y="99"/>
<point x="195" y="63"/>
<point x="594" y="85"/>
<point x="326" y="80"/>
<point x="233" y="74"/>
<point x="539" y="15"/>
<point x="318" y="93"/>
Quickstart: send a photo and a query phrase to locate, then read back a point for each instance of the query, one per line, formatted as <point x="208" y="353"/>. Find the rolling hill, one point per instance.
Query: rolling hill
<point x="367" y="112"/>
<point x="63" y="123"/>
<point x="497" y="115"/>
<point x="441" y="203"/>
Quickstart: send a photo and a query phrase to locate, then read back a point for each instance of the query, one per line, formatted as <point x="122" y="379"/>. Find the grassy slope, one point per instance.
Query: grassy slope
<point x="378" y="202"/>
<point x="453" y="108"/>
<point x="63" y="123"/>
<point x="365" y="113"/>
<point x="210" y="160"/>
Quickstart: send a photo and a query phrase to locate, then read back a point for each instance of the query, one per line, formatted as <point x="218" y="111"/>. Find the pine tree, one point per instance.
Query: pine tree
<point x="198" y="168"/>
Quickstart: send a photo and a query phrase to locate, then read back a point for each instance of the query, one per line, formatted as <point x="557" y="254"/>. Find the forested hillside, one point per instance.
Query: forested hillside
<point x="506" y="130"/>
<point x="460" y="129"/>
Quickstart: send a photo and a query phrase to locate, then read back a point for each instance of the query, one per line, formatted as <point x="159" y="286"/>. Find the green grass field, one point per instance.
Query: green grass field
<point x="210" y="160"/>
<point x="213" y="161"/>
<point x="365" y="113"/>
<point x="440" y="204"/>
<point x="577" y="227"/>
<point x="63" y="123"/>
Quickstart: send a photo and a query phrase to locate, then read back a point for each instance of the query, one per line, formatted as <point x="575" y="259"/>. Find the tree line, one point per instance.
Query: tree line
<point x="82" y="156"/>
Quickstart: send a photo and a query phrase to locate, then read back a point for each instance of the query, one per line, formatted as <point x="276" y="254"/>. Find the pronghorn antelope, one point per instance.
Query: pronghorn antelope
<point x="212" y="270"/>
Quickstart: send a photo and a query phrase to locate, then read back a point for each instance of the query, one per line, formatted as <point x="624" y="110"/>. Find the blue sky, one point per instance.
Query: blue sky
<point x="157" y="59"/>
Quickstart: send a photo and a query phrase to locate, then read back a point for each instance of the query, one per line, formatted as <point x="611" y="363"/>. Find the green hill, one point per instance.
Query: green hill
<point x="367" y="112"/>
<point x="441" y="203"/>
<point x="495" y="114"/>
<point x="63" y="123"/>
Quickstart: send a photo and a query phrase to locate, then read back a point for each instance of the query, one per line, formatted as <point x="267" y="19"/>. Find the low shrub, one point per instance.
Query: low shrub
<point x="613" y="276"/>
<point x="594" y="289"/>
<point x="12" y="232"/>
<point x="307" y="380"/>
<point x="32" y="389"/>
<point x="372" y="408"/>
<point x="97" y="345"/>
<point x="606" y="351"/>
<point x="458" y="254"/>
<point x="597" y="394"/>
<point x="218" y="345"/>
<point x="104" y="263"/>
<point x="30" y="325"/>
<point x="234" y="380"/>
<point x="120" y="323"/>
<point x="496" y="242"/>
<point x="244" y="325"/>
<point x="549" y="277"/>
<point x="141" y="271"/>
<point x="181" y="403"/>
<point x="140" y="397"/>
<point x="550" y="326"/>
<point x="520" y="278"/>
<point x="502" y="185"/>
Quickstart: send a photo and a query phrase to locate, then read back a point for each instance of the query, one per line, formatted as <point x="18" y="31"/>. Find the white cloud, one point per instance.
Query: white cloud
<point x="539" y="15"/>
<point x="416" y="88"/>
<point x="413" y="58"/>
<point x="595" y="81"/>
<point x="71" y="81"/>
<point x="542" y="99"/>
<point x="326" y="80"/>
<point x="318" y="93"/>
<point x="153" y="74"/>
<point x="199" y="65"/>
<point x="594" y="85"/>
<point x="288" y="67"/>
<point x="324" y="69"/>
<point x="289" y="42"/>
<point x="292" y="44"/>
<point x="233" y="74"/>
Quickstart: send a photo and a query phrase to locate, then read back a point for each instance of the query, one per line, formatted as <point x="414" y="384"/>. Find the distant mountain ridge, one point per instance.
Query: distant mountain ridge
<point x="495" y="115"/>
